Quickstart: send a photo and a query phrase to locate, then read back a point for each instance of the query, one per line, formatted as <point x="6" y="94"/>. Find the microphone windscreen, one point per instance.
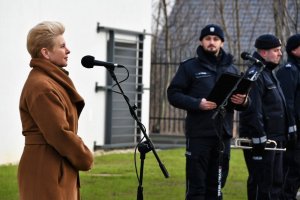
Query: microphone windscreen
<point x="245" y="55"/>
<point x="88" y="61"/>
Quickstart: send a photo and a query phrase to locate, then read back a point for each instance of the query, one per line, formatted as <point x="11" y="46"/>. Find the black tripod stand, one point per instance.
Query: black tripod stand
<point x="143" y="147"/>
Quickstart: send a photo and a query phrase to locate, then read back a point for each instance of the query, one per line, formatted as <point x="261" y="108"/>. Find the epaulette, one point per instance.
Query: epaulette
<point x="288" y="65"/>
<point x="187" y="60"/>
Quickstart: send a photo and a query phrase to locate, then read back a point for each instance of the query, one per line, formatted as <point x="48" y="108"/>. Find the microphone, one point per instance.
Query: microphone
<point x="90" y="62"/>
<point x="247" y="56"/>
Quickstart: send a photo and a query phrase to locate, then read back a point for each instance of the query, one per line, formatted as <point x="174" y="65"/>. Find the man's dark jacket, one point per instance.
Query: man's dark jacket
<point x="267" y="114"/>
<point x="194" y="80"/>
<point x="289" y="77"/>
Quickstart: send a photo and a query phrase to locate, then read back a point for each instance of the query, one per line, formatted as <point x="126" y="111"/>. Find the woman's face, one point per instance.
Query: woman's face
<point x="59" y="54"/>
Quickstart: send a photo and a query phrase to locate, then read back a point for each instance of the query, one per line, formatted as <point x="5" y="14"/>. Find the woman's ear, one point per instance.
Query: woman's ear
<point x="45" y="53"/>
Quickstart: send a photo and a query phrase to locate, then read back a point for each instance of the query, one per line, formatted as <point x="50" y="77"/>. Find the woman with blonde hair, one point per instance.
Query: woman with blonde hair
<point x="49" y="109"/>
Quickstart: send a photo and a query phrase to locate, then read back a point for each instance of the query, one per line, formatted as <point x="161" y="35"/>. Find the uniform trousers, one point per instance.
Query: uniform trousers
<point x="292" y="172"/>
<point x="202" y="164"/>
<point x="265" y="180"/>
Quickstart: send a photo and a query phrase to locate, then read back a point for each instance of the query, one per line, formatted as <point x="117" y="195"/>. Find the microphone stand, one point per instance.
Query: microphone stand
<point x="221" y="112"/>
<point x="143" y="147"/>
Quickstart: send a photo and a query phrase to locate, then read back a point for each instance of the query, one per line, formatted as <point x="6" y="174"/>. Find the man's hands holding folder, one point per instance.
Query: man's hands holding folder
<point x="224" y="86"/>
<point x="239" y="99"/>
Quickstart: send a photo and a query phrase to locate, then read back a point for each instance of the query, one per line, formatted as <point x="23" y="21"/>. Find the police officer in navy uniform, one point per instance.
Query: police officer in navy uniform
<point x="289" y="77"/>
<point x="265" y="119"/>
<point x="188" y="90"/>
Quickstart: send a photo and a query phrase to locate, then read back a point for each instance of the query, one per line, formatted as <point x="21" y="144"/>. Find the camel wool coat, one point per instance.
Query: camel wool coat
<point x="53" y="154"/>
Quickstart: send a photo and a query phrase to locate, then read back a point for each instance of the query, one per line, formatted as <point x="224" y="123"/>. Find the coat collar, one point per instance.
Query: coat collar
<point x="61" y="77"/>
<point x="212" y="61"/>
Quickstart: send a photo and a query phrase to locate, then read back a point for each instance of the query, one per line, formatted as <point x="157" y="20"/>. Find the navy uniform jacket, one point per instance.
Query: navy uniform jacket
<point x="193" y="81"/>
<point x="289" y="77"/>
<point x="267" y="114"/>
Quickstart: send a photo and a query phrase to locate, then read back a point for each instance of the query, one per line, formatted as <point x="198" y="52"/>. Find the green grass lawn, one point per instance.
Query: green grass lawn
<point x="113" y="177"/>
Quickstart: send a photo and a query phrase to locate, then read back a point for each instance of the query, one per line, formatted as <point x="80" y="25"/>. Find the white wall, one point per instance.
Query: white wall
<point x="80" y="18"/>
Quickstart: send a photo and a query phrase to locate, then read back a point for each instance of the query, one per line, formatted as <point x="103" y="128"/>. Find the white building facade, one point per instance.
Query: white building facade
<point x="117" y="31"/>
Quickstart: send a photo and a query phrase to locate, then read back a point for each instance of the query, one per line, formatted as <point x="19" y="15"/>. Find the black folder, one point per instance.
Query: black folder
<point x="224" y="85"/>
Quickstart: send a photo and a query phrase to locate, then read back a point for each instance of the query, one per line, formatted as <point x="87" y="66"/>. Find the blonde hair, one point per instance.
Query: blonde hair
<point x="42" y="36"/>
